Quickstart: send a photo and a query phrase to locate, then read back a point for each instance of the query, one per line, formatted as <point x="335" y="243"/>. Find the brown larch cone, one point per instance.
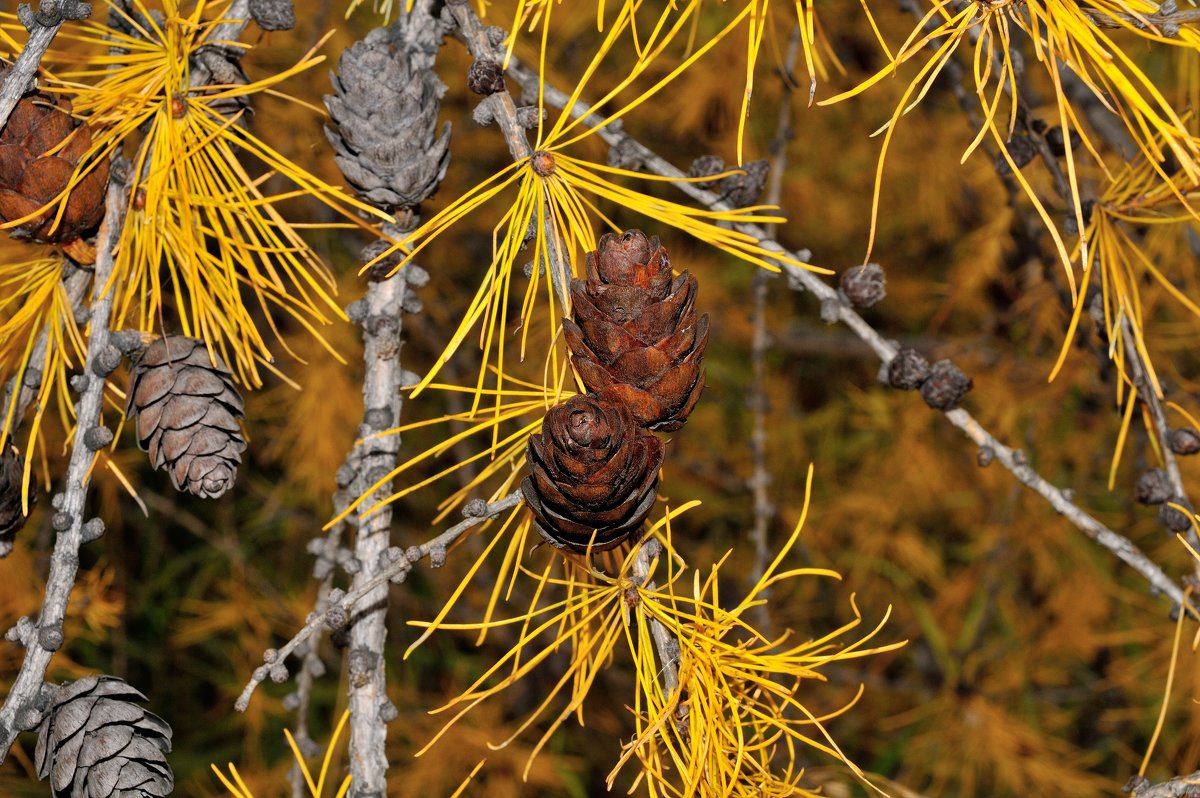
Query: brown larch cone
<point x="636" y="336"/>
<point x="593" y="475"/>
<point x="187" y="412"/>
<point x="40" y="150"/>
<point x="96" y="742"/>
<point x="12" y="511"/>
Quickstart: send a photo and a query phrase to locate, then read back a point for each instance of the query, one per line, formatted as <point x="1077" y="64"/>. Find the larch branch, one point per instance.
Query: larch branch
<point x="43" y="637"/>
<point x="802" y="279"/>
<point x="344" y="604"/>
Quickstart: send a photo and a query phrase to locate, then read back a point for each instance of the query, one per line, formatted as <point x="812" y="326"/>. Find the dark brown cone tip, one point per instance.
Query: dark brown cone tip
<point x="593" y="475"/>
<point x="630" y="258"/>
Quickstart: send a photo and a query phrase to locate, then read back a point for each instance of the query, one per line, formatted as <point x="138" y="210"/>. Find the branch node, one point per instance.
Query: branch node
<point x="22" y="633"/>
<point x="946" y="386"/>
<point x="484" y="114"/>
<point x="93" y="530"/>
<point x="51" y="637"/>
<point x="52" y="13"/>
<point x="907" y="370"/>
<point x="379" y="418"/>
<point x="106" y="361"/>
<point x="528" y="116"/>
<point x="98" y="437"/>
<point x="485" y="77"/>
<point x="336" y="618"/>
<point x="831" y="308"/>
<point x="128" y="341"/>
<point x="28" y="718"/>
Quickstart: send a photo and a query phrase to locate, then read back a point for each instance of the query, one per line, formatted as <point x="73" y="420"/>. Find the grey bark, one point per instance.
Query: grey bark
<point x="19" y="712"/>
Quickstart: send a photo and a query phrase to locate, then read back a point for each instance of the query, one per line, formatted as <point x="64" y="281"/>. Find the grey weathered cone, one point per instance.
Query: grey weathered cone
<point x="385" y="109"/>
<point x="187" y="410"/>
<point x="96" y="742"/>
<point x="12" y="513"/>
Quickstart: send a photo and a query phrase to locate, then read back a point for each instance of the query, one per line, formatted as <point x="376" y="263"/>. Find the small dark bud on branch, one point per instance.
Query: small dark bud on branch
<point x="1021" y="149"/>
<point x="744" y="189"/>
<point x="704" y="166"/>
<point x="1184" y="441"/>
<point x="907" y="370"/>
<point x="864" y="285"/>
<point x="485" y="77"/>
<point x="946" y="386"/>
<point x="1152" y="487"/>
<point x="1172" y="517"/>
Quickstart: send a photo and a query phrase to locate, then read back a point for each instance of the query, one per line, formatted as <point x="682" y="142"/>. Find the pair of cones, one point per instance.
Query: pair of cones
<point x="637" y="344"/>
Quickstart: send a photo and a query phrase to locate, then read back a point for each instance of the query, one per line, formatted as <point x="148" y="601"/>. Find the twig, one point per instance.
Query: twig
<point x="801" y="279"/>
<point x="501" y="109"/>
<point x="760" y="479"/>
<point x="75" y="284"/>
<point x="1179" y="787"/>
<point x="1141" y="379"/>
<point x="1164" y="22"/>
<point x="372" y="455"/>
<point x="1109" y="127"/>
<point x="665" y="644"/>
<point x="43" y="26"/>
<point x="312" y="667"/>
<point x="342" y="605"/>
<point x="41" y="639"/>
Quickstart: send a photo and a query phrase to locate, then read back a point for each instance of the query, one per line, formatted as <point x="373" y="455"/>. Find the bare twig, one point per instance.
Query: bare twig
<point x="801" y="279"/>
<point x="43" y="26"/>
<point x="1115" y="134"/>
<point x="401" y="561"/>
<point x="1179" y="787"/>
<point x="42" y="638"/>
<point x="372" y="455"/>
<point x="312" y="667"/>
<point x="1145" y="388"/>
<point x="1164" y="22"/>
<point x="760" y="479"/>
